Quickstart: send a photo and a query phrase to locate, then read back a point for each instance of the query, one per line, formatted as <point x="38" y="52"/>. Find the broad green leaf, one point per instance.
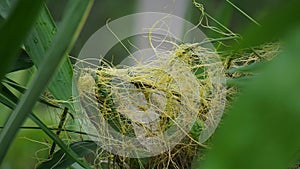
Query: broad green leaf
<point x="60" y="160"/>
<point x="37" y="44"/>
<point x="76" y="12"/>
<point x="14" y="30"/>
<point x="261" y="130"/>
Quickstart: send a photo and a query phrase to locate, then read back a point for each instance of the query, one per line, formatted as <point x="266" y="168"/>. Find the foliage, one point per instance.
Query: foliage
<point x="259" y="130"/>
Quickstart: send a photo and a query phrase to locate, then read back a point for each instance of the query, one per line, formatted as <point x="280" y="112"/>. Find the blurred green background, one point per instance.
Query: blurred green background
<point x="32" y="144"/>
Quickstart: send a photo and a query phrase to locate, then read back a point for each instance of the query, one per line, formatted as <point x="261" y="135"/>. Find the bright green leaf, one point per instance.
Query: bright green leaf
<point x="37" y="44"/>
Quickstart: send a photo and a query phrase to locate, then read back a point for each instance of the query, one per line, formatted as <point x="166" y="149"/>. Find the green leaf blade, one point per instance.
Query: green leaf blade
<point x="37" y="44"/>
<point x="59" y="160"/>
<point x="15" y="29"/>
<point x="75" y="15"/>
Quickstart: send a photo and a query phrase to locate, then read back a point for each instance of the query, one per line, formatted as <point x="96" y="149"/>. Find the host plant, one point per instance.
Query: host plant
<point x="262" y="124"/>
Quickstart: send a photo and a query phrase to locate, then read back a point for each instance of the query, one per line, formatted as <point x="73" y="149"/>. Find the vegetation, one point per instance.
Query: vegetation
<point x="260" y="127"/>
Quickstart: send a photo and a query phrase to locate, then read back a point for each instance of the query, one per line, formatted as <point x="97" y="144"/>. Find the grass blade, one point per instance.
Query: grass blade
<point x="23" y="89"/>
<point x="67" y="150"/>
<point x="36" y="45"/>
<point x="243" y="13"/>
<point x="10" y="100"/>
<point x="77" y="11"/>
<point x="15" y="30"/>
